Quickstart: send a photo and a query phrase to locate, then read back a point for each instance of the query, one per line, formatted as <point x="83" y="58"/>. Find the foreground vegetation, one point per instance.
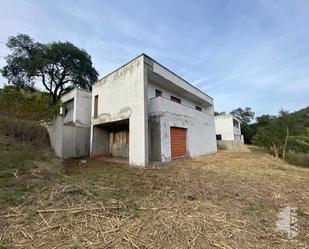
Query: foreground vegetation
<point x="227" y="200"/>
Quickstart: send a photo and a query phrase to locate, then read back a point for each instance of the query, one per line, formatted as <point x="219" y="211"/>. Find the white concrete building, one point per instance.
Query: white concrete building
<point x="145" y="112"/>
<point x="228" y="128"/>
<point x="70" y="132"/>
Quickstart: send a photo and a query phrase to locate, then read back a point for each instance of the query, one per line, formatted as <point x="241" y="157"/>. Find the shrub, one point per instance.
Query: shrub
<point x="24" y="131"/>
<point x="300" y="159"/>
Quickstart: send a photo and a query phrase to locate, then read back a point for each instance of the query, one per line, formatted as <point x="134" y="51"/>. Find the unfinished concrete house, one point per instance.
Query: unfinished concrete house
<point x="144" y="112"/>
<point x="70" y="132"/>
<point x="228" y="128"/>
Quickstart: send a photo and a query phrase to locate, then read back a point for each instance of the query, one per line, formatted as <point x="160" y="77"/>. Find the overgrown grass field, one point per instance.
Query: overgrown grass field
<point x="227" y="200"/>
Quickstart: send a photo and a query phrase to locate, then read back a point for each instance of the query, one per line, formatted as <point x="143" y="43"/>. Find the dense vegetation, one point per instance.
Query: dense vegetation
<point x="26" y="104"/>
<point x="285" y="136"/>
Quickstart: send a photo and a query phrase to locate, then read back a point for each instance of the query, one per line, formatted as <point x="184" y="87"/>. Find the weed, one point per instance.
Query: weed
<point x="15" y="195"/>
<point x="14" y="159"/>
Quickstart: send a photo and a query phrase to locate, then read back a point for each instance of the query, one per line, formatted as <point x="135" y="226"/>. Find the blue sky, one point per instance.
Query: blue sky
<point x="242" y="53"/>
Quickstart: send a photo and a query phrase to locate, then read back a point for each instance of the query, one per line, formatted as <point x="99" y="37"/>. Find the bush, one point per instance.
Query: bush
<point x="300" y="159"/>
<point x="24" y="131"/>
<point x="26" y="104"/>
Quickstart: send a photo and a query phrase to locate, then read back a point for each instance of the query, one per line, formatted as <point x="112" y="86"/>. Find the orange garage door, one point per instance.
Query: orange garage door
<point x="178" y="142"/>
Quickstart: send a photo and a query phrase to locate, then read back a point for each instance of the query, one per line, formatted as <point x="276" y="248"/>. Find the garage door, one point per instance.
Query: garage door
<point x="178" y="142"/>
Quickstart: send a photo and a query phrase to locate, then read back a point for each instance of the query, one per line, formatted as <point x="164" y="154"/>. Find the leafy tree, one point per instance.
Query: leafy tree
<point x="275" y="133"/>
<point x="59" y="66"/>
<point x="264" y="119"/>
<point x="246" y="115"/>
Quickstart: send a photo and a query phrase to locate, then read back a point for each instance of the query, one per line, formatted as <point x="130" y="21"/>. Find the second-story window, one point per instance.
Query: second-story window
<point x="95" y="110"/>
<point x="198" y="108"/>
<point x="158" y="93"/>
<point x="175" y="99"/>
<point x="235" y="123"/>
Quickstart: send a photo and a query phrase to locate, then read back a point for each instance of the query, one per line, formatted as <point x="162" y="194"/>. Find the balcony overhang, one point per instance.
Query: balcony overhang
<point x="162" y="76"/>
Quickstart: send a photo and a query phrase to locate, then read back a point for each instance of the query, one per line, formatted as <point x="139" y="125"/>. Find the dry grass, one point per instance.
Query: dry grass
<point x="227" y="200"/>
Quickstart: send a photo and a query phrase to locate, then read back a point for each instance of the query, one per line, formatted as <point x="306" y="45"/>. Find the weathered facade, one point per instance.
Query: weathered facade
<point x="228" y="128"/>
<point x="70" y="132"/>
<point x="145" y="112"/>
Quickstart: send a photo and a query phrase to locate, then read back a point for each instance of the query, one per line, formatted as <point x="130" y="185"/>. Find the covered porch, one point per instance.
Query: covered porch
<point x="111" y="139"/>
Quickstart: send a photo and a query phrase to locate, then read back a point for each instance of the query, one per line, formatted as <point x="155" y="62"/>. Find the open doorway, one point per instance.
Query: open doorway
<point x="111" y="139"/>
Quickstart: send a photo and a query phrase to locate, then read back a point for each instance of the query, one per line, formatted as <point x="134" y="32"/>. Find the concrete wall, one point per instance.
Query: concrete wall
<point x="225" y="127"/>
<point x="80" y="112"/>
<point x="122" y="95"/>
<point x="69" y="140"/>
<point x="83" y="107"/>
<point x="120" y="148"/>
<point x="166" y="93"/>
<point x="200" y="127"/>
<point x="55" y="131"/>
<point x="101" y="144"/>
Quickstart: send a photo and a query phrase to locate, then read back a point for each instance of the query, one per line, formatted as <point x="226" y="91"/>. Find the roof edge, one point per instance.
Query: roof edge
<point x="143" y="54"/>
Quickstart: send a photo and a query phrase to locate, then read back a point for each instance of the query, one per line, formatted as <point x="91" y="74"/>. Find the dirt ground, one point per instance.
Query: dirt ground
<point x="227" y="200"/>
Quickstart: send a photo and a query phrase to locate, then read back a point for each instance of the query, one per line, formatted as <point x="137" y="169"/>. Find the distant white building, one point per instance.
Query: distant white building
<point x="228" y="128"/>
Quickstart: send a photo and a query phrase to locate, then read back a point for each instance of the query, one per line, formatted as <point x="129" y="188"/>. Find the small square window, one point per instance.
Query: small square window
<point x="198" y="108"/>
<point x="158" y="93"/>
<point x="175" y="99"/>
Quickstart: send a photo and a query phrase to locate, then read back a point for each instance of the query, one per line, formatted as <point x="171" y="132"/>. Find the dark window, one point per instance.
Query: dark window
<point x="95" y="114"/>
<point x="219" y="137"/>
<point x="235" y="123"/>
<point x="158" y="93"/>
<point x="175" y="99"/>
<point x="198" y="108"/>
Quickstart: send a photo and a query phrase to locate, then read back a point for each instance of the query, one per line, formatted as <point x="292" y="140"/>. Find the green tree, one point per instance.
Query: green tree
<point x="274" y="133"/>
<point x="59" y="66"/>
<point x="245" y="115"/>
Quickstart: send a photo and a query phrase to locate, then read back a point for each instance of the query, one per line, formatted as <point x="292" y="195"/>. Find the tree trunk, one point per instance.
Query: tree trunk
<point x="275" y="150"/>
<point x="285" y="143"/>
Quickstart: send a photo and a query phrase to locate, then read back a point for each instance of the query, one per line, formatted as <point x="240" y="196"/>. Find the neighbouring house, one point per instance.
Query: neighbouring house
<point x="145" y="112"/>
<point x="70" y="132"/>
<point x="228" y="128"/>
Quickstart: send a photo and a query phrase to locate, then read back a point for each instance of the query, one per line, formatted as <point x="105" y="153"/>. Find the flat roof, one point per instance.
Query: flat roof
<point x="143" y="54"/>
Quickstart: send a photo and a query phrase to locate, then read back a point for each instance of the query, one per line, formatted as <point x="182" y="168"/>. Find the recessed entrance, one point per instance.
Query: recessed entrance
<point x="111" y="139"/>
<point x="178" y="142"/>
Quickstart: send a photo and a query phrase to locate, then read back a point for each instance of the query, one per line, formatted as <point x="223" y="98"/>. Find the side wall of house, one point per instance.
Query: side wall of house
<point x="122" y="95"/>
<point x="200" y="127"/>
<point x="68" y="140"/>
<point x="83" y="108"/>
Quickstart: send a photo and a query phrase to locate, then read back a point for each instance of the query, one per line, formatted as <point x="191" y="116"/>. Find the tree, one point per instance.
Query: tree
<point x="245" y="115"/>
<point x="275" y="133"/>
<point x="59" y="66"/>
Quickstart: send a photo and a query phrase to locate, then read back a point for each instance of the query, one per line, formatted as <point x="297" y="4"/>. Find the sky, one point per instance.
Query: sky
<point x="242" y="53"/>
